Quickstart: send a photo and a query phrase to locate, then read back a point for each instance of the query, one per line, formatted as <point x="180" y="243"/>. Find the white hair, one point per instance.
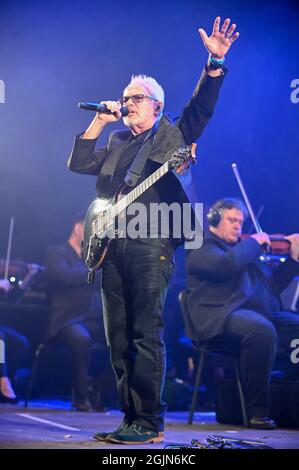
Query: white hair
<point x="150" y="84"/>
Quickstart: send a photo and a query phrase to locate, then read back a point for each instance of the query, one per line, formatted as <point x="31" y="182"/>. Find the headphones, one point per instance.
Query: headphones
<point x="214" y="217"/>
<point x="215" y="212"/>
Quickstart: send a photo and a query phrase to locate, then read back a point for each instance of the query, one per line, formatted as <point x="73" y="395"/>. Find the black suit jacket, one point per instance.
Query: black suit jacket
<point x="220" y="280"/>
<point x="71" y="299"/>
<point x="169" y="137"/>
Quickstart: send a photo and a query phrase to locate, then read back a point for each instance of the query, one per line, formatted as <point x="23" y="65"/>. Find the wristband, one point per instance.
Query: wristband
<point x="215" y="63"/>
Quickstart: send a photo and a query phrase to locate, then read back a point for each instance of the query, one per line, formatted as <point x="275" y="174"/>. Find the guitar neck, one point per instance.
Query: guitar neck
<point x="140" y="189"/>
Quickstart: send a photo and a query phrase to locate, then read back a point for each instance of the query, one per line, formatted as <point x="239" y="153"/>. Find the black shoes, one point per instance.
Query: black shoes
<point x="262" y="422"/>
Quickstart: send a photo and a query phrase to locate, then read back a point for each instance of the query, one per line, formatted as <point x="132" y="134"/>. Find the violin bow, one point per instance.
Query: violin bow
<point x="258" y="215"/>
<point x="254" y="219"/>
<point x="255" y="222"/>
<point x="8" y="252"/>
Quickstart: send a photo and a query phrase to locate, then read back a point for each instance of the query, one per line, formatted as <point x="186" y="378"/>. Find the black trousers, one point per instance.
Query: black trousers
<point x="135" y="279"/>
<point x="256" y="337"/>
<point x="79" y="338"/>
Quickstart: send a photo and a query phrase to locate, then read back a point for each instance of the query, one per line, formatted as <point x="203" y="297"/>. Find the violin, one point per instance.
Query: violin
<point x="16" y="269"/>
<point x="18" y="273"/>
<point x="279" y="243"/>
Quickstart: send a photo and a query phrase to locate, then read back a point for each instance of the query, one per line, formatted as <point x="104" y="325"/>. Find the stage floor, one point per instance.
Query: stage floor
<point x="51" y="425"/>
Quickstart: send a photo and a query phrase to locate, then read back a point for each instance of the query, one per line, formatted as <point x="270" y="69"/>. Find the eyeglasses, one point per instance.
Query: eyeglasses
<point x="138" y="98"/>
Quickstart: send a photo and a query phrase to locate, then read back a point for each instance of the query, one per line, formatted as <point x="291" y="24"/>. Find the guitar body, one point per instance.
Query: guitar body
<point x="96" y="230"/>
<point x="101" y="216"/>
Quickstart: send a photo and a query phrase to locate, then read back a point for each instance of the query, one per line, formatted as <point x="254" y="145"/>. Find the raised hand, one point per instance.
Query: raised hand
<point x="220" y="41"/>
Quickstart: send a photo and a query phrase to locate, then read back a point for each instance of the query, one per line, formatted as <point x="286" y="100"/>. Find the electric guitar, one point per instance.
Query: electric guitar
<point x="99" y="225"/>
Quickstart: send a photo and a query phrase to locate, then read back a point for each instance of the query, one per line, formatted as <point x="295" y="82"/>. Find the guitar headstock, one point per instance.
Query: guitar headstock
<point x="183" y="158"/>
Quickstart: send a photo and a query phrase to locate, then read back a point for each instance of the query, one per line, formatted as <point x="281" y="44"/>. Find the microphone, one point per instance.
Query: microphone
<point x="101" y="108"/>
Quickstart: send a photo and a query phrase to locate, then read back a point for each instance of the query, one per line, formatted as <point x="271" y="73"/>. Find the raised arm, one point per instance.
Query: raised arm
<point x="199" y="109"/>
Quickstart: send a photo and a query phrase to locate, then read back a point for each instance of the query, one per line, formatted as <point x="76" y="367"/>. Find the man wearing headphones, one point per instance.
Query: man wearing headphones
<point x="233" y="296"/>
<point x="137" y="271"/>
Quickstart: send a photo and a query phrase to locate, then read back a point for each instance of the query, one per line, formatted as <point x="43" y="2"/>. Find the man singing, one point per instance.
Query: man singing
<point x="137" y="271"/>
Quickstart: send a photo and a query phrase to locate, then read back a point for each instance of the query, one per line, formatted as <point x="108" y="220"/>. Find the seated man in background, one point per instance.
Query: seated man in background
<point x="14" y="347"/>
<point x="233" y="296"/>
<point x="75" y="316"/>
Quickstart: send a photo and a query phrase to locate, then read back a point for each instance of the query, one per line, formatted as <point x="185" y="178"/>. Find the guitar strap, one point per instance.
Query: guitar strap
<point x="137" y="166"/>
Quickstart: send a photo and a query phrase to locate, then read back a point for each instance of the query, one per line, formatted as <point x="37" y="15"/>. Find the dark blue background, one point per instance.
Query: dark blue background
<point x="56" y="53"/>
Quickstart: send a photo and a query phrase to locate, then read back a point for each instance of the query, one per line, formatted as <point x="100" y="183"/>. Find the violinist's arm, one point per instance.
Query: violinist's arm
<point x="211" y="262"/>
<point x="59" y="270"/>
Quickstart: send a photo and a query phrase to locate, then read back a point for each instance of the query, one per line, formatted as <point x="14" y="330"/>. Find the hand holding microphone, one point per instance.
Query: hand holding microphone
<point x="107" y="111"/>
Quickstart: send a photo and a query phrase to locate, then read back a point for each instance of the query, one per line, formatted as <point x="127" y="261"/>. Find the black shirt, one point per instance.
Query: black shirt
<point x="156" y="194"/>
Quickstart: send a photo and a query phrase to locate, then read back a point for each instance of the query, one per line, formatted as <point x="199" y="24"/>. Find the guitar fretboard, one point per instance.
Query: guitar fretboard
<point x="121" y="205"/>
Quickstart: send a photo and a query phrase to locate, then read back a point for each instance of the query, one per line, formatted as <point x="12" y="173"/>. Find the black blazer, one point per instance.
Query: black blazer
<point x="71" y="299"/>
<point x="219" y="282"/>
<point x="169" y="137"/>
